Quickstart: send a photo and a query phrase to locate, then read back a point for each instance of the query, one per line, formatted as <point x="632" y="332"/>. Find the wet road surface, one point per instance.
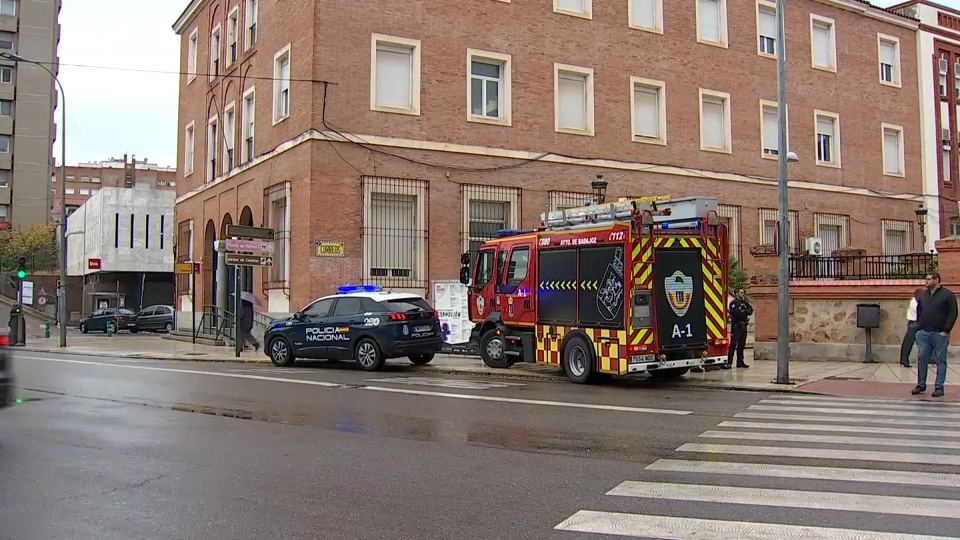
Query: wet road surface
<point x="127" y="449"/>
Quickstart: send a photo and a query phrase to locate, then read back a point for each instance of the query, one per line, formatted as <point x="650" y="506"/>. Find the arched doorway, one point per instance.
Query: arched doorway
<point x="209" y="265"/>
<point x="246" y="272"/>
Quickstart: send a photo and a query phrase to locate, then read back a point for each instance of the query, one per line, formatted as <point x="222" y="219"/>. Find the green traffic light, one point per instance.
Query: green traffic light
<point x="21" y="274"/>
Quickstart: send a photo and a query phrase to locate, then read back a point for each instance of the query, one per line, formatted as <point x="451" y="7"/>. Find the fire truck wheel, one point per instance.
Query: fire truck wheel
<point x="578" y="360"/>
<point x="493" y="350"/>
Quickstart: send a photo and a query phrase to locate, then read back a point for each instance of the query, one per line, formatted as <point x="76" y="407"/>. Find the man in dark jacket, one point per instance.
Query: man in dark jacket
<point x="740" y="312"/>
<point x="936" y="315"/>
<point x="246" y="325"/>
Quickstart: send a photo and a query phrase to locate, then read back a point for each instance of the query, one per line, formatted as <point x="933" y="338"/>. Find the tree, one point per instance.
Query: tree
<point x="38" y="244"/>
<point x="738" y="276"/>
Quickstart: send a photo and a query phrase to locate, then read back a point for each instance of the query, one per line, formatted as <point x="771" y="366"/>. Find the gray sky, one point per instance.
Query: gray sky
<point x="115" y="111"/>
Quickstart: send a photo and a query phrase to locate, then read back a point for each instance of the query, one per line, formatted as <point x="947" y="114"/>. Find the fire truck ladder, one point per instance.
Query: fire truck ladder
<point x="663" y="209"/>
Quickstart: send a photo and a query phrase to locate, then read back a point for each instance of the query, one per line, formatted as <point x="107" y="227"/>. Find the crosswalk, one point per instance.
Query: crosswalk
<point x="799" y="466"/>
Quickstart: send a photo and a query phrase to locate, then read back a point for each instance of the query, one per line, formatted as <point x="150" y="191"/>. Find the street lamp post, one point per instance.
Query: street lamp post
<point x="783" y="208"/>
<point x="921" y="213"/>
<point x="62" y="228"/>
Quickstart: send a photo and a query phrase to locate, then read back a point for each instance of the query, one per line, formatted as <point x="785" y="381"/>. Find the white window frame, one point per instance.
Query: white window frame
<point x="5" y="149"/>
<point x="884" y="128"/>
<point x="905" y="227"/>
<point x="247" y="130"/>
<point x="658" y="19"/>
<point x="278" y="84"/>
<point x="506" y="83"/>
<point x="732" y="213"/>
<point x="765" y="104"/>
<point x="484" y="193"/>
<point x="661" y="88"/>
<point x="842" y="221"/>
<point x="10" y="70"/>
<point x="728" y="132"/>
<point x="724" y="30"/>
<point x="832" y="68"/>
<point x="193" y="47"/>
<point x="837" y="156"/>
<point x="558" y="68"/>
<point x="16" y="8"/>
<point x="229" y="136"/>
<point x="216" y="36"/>
<point x="189" y="148"/>
<point x="251" y="7"/>
<point x="414" y="189"/>
<point x="415" y="45"/>
<point x="761" y="5"/>
<point x="897" y="81"/>
<point x="233" y="34"/>
<point x="587" y="12"/>
<point x="210" y="173"/>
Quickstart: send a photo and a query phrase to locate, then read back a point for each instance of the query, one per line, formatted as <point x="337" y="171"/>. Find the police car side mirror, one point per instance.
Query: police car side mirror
<point x="298" y="316"/>
<point x="465" y="275"/>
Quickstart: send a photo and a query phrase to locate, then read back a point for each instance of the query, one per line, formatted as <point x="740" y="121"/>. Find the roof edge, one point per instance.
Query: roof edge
<point x="187" y="16"/>
<point x="865" y="7"/>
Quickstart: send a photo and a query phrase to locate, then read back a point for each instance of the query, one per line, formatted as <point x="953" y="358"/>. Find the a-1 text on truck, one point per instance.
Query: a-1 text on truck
<point x="620" y="288"/>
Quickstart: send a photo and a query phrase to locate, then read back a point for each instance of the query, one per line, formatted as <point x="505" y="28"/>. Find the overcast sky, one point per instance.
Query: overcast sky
<point x="114" y="111"/>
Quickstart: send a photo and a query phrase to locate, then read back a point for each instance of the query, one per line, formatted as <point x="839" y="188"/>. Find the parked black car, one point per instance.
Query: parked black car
<point x="6" y="372"/>
<point x="109" y="320"/>
<point x="155" y="319"/>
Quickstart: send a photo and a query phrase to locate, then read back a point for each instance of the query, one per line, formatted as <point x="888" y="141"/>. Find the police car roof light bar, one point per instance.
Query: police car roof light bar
<point x="347" y="289"/>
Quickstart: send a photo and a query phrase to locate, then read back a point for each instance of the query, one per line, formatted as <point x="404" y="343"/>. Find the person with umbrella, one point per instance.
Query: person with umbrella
<point x="247" y="301"/>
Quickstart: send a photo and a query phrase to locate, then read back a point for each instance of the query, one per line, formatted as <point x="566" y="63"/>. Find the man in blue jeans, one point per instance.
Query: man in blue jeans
<point x="936" y="315"/>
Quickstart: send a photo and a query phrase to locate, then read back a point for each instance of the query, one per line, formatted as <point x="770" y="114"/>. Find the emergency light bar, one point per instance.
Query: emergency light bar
<point x="347" y="289"/>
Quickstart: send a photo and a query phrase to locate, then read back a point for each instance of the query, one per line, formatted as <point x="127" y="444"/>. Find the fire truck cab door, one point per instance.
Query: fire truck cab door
<point x="681" y="311"/>
<point x="514" y="286"/>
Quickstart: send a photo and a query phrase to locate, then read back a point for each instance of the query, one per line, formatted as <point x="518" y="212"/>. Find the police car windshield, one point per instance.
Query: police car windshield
<point x="404" y="305"/>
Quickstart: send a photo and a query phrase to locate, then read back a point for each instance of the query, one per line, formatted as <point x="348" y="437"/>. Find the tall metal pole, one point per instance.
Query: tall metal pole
<point x="783" y="209"/>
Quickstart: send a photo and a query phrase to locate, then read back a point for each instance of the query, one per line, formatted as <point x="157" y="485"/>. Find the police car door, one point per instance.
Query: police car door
<point x="343" y="324"/>
<point x="309" y="337"/>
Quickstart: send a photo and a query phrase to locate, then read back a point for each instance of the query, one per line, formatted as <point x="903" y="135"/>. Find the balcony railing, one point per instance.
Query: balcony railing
<point x="912" y="266"/>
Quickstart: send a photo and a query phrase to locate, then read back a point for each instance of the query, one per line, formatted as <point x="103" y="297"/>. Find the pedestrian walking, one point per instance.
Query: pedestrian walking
<point x="246" y="321"/>
<point x="910" y="338"/>
<point x="740" y="312"/>
<point x="936" y="315"/>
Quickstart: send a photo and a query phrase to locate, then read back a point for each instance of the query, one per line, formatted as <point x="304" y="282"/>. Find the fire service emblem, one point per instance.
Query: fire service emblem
<point x="679" y="289"/>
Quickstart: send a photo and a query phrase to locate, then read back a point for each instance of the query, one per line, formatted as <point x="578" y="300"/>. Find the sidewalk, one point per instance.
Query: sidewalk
<point x="836" y="378"/>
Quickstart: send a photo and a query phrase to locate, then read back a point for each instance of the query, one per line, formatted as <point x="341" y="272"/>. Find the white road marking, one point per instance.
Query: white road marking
<point x="788" y="498"/>
<point x="829" y="439"/>
<point x="462" y="384"/>
<point x="821" y="453"/>
<point x="589" y="406"/>
<point x="841" y="429"/>
<point x="865" y="412"/>
<point x="847" y="419"/>
<point x="899" y="406"/>
<point x="684" y="528"/>
<point x="878" y="476"/>
<point x="792" y="397"/>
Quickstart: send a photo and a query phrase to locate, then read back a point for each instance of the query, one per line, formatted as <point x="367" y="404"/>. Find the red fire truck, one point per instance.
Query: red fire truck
<point x="620" y="288"/>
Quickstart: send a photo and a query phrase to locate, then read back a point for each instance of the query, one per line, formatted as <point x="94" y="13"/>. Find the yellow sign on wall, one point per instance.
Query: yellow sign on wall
<point x="326" y="248"/>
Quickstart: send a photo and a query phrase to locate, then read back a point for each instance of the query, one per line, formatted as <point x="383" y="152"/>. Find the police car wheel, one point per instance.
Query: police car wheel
<point x="368" y="355"/>
<point x="578" y="360"/>
<point x="493" y="350"/>
<point x="280" y="353"/>
<point x="421" y="359"/>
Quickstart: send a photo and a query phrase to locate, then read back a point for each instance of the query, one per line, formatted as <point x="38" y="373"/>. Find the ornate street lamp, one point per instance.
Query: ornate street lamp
<point x="599" y="190"/>
<point x="921" y="213"/>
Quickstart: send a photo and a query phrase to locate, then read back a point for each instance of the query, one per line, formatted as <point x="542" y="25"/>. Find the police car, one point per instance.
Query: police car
<point x="360" y="322"/>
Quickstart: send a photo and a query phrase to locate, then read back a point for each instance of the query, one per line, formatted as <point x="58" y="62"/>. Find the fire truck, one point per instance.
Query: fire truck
<point x="627" y="287"/>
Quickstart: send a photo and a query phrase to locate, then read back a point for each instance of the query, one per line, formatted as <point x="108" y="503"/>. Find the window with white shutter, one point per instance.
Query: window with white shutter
<point x="647" y="14"/>
<point x="827" y="137"/>
<point x="281" y="85"/>
<point x="897" y="237"/>
<point x="770" y="128"/>
<point x="892" y="150"/>
<point x="649" y="122"/>
<point x="711" y="21"/>
<point x="580" y="8"/>
<point x="889" y="48"/>
<point x="823" y="43"/>
<point x="767" y="29"/>
<point x="833" y="229"/>
<point x="714" y="121"/>
<point x="574" y="98"/>
<point x="395" y="74"/>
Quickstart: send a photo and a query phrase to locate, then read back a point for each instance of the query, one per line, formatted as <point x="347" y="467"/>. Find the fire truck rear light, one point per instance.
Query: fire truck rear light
<point x="4" y="340"/>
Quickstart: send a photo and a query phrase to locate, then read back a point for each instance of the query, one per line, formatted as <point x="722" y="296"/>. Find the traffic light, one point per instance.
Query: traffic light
<point x="21" y="268"/>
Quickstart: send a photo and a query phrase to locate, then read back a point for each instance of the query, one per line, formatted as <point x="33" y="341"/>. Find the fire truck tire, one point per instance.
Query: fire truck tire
<point x="579" y="360"/>
<point x="666" y="374"/>
<point x="493" y="350"/>
<point x="421" y="359"/>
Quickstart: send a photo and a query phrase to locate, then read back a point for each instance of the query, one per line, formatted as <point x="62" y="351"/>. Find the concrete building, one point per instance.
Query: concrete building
<point x="401" y="131"/>
<point x="938" y="60"/>
<point x="121" y="241"/>
<point x="86" y="179"/>
<point x="28" y="28"/>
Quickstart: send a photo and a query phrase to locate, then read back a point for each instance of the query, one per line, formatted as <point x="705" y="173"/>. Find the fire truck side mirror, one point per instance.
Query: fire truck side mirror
<point x="465" y="275"/>
<point x="465" y="258"/>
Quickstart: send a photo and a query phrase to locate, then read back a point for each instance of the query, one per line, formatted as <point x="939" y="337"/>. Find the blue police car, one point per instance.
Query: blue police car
<point x="360" y="322"/>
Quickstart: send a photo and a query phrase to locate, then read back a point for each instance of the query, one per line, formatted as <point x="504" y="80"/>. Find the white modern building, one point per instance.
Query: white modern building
<point x="122" y="242"/>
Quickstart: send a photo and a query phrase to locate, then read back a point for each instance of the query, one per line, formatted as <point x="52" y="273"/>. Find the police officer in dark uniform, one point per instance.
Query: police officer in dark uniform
<point x="740" y="312"/>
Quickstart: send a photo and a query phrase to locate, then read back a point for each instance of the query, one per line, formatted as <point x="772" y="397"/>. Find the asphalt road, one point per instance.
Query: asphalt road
<point x="137" y="449"/>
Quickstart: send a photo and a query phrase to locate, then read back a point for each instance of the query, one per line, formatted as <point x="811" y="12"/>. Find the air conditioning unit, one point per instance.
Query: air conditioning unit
<point x="943" y="65"/>
<point x="813" y="246"/>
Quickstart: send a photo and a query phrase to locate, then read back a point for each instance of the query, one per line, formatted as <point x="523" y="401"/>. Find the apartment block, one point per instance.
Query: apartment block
<point x="87" y="179"/>
<point x="409" y="132"/>
<point x="28" y="29"/>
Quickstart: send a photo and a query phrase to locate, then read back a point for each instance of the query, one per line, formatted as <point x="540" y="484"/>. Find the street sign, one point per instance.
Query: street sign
<point x="27" y="291"/>
<point x="93" y="264"/>
<point x="184" y="268"/>
<point x="256" y="246"/>
<point x="326" y="248"/>
<point x="243" y="231"/>
<point x="235" y="259"/>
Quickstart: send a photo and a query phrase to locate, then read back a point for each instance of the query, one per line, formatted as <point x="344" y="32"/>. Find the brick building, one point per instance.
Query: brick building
<point x="407" y="132"/>
<point x="86" y="179"/>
